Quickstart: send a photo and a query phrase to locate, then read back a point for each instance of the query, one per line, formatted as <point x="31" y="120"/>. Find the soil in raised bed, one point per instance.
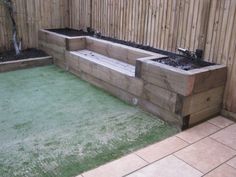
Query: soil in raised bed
<point x="25" y="54"/>
<point x="70" y="32"/>
<point x="183" y="63"/>
<point x="175" y="59"/>
<point x="90" y="32"/>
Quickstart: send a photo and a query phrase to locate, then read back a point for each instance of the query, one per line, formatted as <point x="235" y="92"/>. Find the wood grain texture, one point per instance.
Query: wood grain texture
<point x="162" y="113"/>
<point x="75" y="44"/>
<point x="25" y="63"/>
<point x="114" y="77"/>
<point x="166" y="77"/>
<point x="198" y="102"/>
<point x="204" y="114"/>
<point x="160" y="97"/>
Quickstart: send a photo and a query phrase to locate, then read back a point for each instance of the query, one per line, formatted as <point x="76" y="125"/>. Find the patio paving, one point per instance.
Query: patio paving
<point x="208" y="149"/>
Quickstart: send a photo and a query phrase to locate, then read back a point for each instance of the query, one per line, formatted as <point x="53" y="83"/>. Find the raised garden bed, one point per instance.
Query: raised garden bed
<point x="68" y="32"/>
<point x="28" y="58"/>
<point x="134" y="75"/>
<point x="190" y="96"/>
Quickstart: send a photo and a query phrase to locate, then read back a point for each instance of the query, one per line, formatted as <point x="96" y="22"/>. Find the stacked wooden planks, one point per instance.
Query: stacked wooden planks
<point x="54" y="45"/>
<point x="189" y="96"/>
<point x="180" y="97"/>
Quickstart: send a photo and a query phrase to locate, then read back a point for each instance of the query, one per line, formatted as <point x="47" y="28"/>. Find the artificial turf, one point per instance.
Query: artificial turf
<point x="54" y="124"/>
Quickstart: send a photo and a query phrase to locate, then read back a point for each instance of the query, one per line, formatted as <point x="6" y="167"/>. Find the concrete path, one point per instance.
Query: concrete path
<point x="208" y="149"/>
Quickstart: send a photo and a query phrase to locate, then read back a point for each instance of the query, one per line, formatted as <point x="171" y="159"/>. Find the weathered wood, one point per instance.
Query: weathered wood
<point x="138" y="64"/>
<point x="25" y="63"/>
<point x="51" y="48"/>
<point x="73" y="44"/>
<point x="53" y="38"/>
<point x="161" y="113"/>
<point x="55" y="45"/>
<point x="203" y="100"/>
<point x="108" y="62"/>
<point x="209" y="77"/>
<point x="204" y="114"/>
<point x="166" y="77"/>
<point x="160" y="97"/>
<point x="115" y="91"/>
<point x="117" y="51"/>
<point x="72" y="63"/>
<point x="171" y="93"/>
<point x="115" y="78"/>
<point x="183" y="82"/>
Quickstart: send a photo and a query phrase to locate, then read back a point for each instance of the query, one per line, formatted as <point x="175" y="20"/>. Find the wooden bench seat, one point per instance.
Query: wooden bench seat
<point x="112" y="71"/>
<point x="105" y="61"/>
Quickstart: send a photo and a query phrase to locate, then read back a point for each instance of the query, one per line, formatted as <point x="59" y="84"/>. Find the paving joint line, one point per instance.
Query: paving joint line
<point x="173" y="153"/>
<point x="220" y="165"/>
<point x="183" y="140"/>
<point x="220" y="127"/>
<point x="223" y="144"/>
<point x="144" y="166"/>
<point x="229" y="160"/>
<point x="150" y="163"/>
<point x="140" y="157"/>
<point x="188" y="164"/>
<point x="208" y="136"/>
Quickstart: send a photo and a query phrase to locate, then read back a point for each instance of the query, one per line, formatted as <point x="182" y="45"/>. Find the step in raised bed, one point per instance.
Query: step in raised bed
<point x="180" y="97"/>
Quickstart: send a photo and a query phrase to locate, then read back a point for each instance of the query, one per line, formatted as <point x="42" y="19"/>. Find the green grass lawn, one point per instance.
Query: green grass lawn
<point x="54" y="124"/>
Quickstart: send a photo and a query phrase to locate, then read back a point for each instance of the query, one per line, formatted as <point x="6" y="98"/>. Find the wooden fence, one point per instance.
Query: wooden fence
<point x="166" y="24"/>
<point x="32" y="15"/>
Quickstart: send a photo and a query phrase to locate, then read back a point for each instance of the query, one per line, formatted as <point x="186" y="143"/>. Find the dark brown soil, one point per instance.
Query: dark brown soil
<point x="183" y="63"/>
<point x="27" y="53"/>
<point x="69" y="32"/>
<point x="90" y="32"/>
<point x="174" y="59"/>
